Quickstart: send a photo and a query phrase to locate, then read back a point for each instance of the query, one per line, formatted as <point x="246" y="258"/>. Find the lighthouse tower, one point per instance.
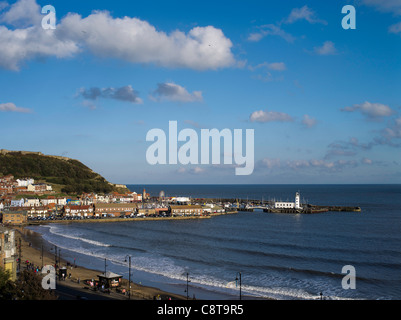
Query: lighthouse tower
<point x="297" y="201"/>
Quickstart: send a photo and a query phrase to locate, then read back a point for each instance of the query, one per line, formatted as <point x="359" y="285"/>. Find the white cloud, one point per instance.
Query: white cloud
<point x="271" y="163"/>
<point x="256" y="36"/>
<point x="308" y="122"/>
<point x="23" y="13"/>
<point x="304" y="13"/>
<point x="3" y="5"/>
<point x="269" y="116"/>
<point x="129" y="39"/>
<point x="393" y="131"/>
<point x="366" y="161"/>
<point x="371" y="110"/>
<point x="277" y="66"/>
<point x="327" y="48"/>
<point x="11" y="107"/>
<point x="266" y="74"/>
<point x="137" y="41"/>
<point x="393" y="6"/>
<point x="28" y="40"/>
<point x="194" y="170"/>
<point x="31" y="43"/>
<point x="395" y="28"/>
<point x="174" y="92"/>
<point x="270" y="30"/>
<point x="125" y="93"/>
<point x="274" y="164"/>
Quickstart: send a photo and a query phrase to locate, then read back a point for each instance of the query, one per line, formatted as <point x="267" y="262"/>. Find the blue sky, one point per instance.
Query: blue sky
<point x="324" y="102"/>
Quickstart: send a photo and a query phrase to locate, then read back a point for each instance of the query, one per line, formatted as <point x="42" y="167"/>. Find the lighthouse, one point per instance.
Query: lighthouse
<point x="297" y="201"/>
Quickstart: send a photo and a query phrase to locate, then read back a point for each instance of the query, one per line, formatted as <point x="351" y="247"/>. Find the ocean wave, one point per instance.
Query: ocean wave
<point x="166" y="267"/>
<point x="54" y="231"/>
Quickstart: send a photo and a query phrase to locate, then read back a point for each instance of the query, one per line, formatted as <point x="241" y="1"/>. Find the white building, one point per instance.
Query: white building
<point x="61" y="201"/>
<point x="102" y="198"/>
<point x="25" y="182"/>
<point x="48" y="201"/>
<point x="289" y="205"/>
<point x="182" y="200"/>
<point x="17" y="202"/>
<point x="284" y="205"/>
<point x="32" y="203"/>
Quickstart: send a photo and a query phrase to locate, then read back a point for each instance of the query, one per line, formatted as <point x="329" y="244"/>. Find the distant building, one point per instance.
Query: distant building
<point x="122" y="198"/>
<point x="61" y="201"/>
<point x="289" y="205"/>
<point x="15" y="218"/>
<point x="25" y="182"/>
<point x="181" y="200"/>
<point x="49" y="200"/>
<point x="145" y="195"/>
<point x="101" y="199"/>
<point x="146" y="212"/>
<point x="114" y="209"/>
<point x="17" y="202"/>
<point x="7" y="179"/>
<point x="32" y="202"/>
<point x="74" y="202"/>
<point x="38" y="212"/>
<point x="39" y="187"/>
<point x="78" y="211"/>
<point x="20" y="189"/>
<point x="8" y="251"/>
<point x="212" y="208"/>
<point x="185" y="210"/>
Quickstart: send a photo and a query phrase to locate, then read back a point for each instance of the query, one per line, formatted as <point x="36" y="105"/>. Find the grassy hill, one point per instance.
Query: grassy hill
<point x="64" y="174"/>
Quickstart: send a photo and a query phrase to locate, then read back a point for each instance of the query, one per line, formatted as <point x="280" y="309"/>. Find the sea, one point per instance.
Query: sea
<point x="332" y="255"/>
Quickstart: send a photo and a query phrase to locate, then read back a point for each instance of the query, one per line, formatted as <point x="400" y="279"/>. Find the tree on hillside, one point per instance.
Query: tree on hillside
<point x="27" y="287"/>
<point x="7" y="287"/>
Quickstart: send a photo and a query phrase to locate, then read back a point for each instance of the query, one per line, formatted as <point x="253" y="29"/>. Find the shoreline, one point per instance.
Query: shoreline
<point x="138" y="291"/>
<point x="31" y="240"/>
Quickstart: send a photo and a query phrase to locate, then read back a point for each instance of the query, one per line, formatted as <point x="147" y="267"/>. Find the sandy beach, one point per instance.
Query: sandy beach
<point x="30" y="253"/>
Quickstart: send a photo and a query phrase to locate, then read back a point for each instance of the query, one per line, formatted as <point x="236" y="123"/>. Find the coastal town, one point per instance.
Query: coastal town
<point x="23" y="201"/>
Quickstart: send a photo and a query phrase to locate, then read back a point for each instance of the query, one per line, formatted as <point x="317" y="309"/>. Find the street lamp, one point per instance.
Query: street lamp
<point x="42" y="256"/>
<point x="188" y="281"/>
<point x="129" y="275"/>
<point x="55" y="258"/>
<point x="236" y="279"/>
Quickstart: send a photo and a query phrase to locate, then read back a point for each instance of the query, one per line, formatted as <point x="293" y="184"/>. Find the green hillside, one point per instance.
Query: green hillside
<point x="66" y="175"/>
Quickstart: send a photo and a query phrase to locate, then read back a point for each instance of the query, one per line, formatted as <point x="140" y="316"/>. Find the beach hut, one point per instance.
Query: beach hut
<point x="109" y="279"/>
